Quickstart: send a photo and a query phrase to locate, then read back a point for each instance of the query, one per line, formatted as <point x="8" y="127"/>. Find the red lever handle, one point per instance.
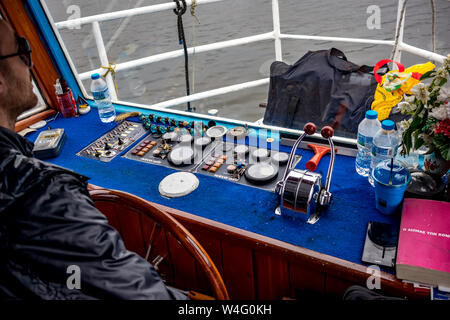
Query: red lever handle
<point x="310" y="128"/>
<point x="327" y="132"/>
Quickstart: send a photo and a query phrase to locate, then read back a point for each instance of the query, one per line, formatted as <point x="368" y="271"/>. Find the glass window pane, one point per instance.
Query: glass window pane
<point x="147" y="35"/>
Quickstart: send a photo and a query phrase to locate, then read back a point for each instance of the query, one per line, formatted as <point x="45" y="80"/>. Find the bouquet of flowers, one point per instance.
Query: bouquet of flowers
<point x="429" y="108"/>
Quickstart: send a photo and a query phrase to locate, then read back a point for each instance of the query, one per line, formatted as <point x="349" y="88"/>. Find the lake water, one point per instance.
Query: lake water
<point x="155" y="33"/>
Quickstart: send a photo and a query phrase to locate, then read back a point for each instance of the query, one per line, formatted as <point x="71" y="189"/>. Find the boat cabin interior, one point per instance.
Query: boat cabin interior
<point x="225" y="207"/>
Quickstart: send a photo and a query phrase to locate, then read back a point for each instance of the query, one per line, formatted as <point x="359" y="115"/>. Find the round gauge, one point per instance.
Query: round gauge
<point x="156" y="135"/>
<point x="202" y="142"/>
<point x="181" y="156"/>
<point x="260" y="154"/>
<point x="109" y="154"/>
<point x="170" y="136"/>
<point x="241" y="151"/>
<point x="261" y="173"/>
<point x="280" y="158"/>
<point x="216" y="132"/>
<point x="185" y="138"/>
<point x="238" y="132"/>
<point x="178" y="184"/>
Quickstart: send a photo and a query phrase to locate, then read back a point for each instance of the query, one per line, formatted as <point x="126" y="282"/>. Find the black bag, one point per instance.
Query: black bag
<point x="322" y="87"/>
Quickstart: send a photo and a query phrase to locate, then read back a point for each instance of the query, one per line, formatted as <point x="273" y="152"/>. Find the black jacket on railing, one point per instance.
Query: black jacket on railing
<point x="48" y="223"/>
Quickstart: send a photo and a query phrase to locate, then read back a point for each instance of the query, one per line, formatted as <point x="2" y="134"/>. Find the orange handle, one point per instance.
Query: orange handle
<point x="319" y="152"/>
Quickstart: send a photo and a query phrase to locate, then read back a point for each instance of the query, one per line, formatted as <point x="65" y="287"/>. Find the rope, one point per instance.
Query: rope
<point x="193" y="7"/>
<point x="433" y="25"/>
<point x="397" y="32"/>
<point x="112" y="68"/>
<point x="194" y="41"/>
<point x="179" y="11"/>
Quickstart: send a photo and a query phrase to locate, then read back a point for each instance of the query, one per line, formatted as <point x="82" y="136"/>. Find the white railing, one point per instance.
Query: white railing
<point x="275" y="35"/>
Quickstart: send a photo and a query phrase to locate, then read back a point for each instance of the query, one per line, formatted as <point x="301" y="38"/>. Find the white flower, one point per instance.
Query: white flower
<point x="442" y="73"/>
<point x="446" y="63"/>
<point x="444" y="94"/>
<point x="404" y="107"/>
<point x="410" y="99"/>
<point x="406" y="123"/>
<point x="439" y="113"/>
<point x="421" y="92"/>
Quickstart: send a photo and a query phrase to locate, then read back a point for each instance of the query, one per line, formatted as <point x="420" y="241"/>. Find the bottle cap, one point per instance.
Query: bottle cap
<point x="95" y="76"/>
<point x="371" y="114"/>
<point x="387" y="125"/>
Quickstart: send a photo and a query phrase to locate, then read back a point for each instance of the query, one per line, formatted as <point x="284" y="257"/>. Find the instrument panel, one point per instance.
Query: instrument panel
<point x="192" y="151"/>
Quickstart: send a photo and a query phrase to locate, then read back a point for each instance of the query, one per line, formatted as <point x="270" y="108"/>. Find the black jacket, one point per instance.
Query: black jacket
<point x="48" y="222"/>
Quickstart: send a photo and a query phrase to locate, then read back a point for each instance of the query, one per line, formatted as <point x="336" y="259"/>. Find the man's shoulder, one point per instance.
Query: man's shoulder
<point x="19" y="173"/>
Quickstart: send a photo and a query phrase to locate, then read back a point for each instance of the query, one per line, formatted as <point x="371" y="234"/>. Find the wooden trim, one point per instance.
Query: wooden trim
<point x="258" y="267"/>
<point x="334" y="268"/>
<point x="43" y="70"/>
<point x="25" y="123"/>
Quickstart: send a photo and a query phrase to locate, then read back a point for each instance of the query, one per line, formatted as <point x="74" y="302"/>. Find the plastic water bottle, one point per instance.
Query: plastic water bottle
<point x="385" y="145"/>
<point x="102" y="98"/>
<point x="366" y="131"/>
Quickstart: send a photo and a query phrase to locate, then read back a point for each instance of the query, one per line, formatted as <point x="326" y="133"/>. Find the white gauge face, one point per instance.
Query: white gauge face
<point x="181" y="155"/>
<point x="260" y="153"/>
<point x="280" y="157"/>
<point x="108" y="153"/>
<point x="216" y="131"/>
<point x="203" y="141"/>
<point x="241" y="149"/>
<point x="171" y="136"/>
<point x="185" y="138"/>
<point x="261" y="171"/>
<point x="237" y="131"/>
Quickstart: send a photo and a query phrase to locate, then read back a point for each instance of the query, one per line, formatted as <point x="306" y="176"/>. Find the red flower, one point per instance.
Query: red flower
<point x="443" y="127"/>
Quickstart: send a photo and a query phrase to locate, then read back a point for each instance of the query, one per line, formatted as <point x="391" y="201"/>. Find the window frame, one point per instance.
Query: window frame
<point x="67" y="69"/>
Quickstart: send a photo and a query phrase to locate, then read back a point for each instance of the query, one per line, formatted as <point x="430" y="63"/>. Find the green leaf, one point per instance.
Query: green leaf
<point x="407" y="139"/>
<point x="442" y="143"/>
<point x="418" y="143"/>
<point x="443" y="81"/>
<point x="427" y="75"/>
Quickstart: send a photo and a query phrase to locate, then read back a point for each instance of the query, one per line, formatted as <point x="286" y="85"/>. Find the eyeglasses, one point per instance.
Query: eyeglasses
<point x="24" y="52"/>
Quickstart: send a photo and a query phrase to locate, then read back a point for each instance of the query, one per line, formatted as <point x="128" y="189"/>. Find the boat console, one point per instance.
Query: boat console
<point x="237" y="176"/>
<point x="196" y="147"/>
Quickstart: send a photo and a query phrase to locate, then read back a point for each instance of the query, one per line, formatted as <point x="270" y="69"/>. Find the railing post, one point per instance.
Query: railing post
<point x="276" y="30"/>
<point x="401" y="12"/>
<point x="103" y="58"/>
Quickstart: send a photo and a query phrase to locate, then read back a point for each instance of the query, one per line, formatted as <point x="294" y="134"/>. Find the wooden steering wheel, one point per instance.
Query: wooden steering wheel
<point x="158" y="237"/>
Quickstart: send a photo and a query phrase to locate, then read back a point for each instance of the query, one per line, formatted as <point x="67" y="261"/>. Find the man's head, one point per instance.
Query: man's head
<point x="16" y="89"/>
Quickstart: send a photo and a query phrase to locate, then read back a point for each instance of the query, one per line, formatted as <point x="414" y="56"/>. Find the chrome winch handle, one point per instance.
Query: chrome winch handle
<point x="327" y="133"/>
<point x="325" y="196"/>
<point x="308" y="129"/>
